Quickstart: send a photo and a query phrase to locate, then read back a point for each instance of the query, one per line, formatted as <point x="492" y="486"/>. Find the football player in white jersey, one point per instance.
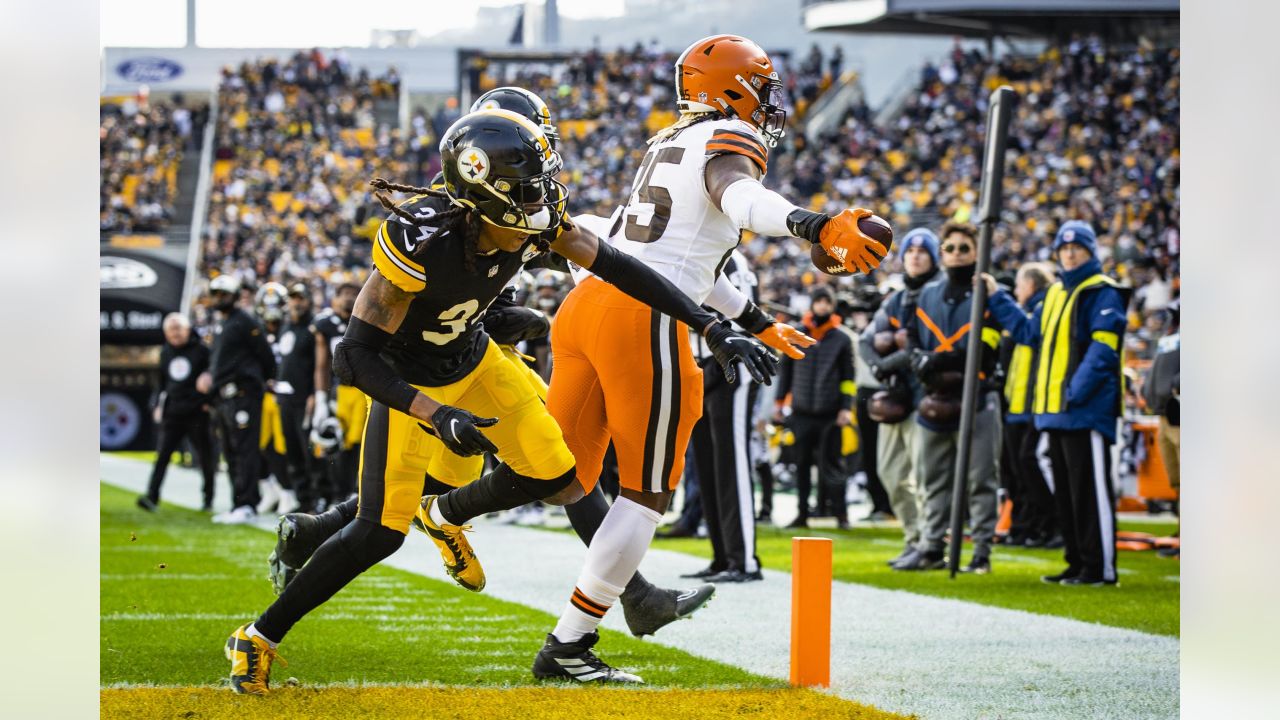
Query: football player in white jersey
<point x="624" y="372"/>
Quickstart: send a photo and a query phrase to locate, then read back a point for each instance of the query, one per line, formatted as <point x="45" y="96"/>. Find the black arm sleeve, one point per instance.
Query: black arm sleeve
<point x="636" y="279"/>
<point x="357" y="362"/>
<point x="550" y="261"/>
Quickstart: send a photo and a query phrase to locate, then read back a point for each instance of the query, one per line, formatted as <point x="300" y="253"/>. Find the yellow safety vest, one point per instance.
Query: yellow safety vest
<point x="1018" y="379"/>
<point x="1056" y="356"/>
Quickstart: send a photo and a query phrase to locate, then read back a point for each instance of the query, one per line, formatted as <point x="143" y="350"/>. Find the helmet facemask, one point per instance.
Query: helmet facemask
<point x="768" y="115"/>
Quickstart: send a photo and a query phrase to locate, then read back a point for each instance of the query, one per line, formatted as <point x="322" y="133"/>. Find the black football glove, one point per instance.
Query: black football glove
<point x="731" y="348"/>
<point x="510" y="325"/>
<point x="459" y="430"/>
<point x="923" y="363"/>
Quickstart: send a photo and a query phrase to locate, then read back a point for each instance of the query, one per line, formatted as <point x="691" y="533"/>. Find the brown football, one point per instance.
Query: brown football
<point x="883" y="343"/>
<point x="874" y="226"/>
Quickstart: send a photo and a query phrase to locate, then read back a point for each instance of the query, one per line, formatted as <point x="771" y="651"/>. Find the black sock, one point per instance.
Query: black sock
<point x="337" y="516"/>
<point x="499" y="490"/>
<point x="359" y="546"/>
<point x="586" y="516"/>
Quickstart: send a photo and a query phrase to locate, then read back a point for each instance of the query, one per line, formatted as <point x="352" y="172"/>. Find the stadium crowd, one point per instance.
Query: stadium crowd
<point x="1094" y="138"/>
<point x="141" y="145"/>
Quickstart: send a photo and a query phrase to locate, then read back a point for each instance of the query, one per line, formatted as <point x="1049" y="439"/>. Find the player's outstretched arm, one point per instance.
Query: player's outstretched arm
<point x="379" y="310"/>
<point x="733" y="183"/>
<point x="732" y="303"/>
<point x="640" y="282"/>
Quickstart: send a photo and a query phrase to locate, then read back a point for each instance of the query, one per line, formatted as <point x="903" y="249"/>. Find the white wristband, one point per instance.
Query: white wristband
<point x="725" y="298"/>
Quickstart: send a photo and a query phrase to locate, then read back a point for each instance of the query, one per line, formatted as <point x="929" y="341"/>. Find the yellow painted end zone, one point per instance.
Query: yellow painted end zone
<point x="544" y="703"/>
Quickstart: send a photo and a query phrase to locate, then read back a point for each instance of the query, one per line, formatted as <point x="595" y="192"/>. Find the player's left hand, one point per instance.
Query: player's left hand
<point x="731" y="348"/>
<point x="459" y="430"/>
<point x="785" y="339"/>
<point x="843" y="418"/>
<point x="845" y="241"/>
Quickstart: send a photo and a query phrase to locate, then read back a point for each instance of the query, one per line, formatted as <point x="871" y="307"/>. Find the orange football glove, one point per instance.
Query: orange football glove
<point x="844" y="240"/>
<point x="785" y="339"/>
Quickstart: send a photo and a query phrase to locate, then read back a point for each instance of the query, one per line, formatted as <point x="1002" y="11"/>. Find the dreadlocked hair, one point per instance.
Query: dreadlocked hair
<point x="457" y="220"/>
<point x="686" y="119"/>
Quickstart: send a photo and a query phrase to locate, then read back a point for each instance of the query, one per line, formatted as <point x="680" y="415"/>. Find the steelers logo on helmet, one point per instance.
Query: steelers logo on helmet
<point x="473" y="165"/>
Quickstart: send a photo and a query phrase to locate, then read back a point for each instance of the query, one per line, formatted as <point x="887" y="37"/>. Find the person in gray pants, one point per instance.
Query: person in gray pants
<point x="940" y="334"/>
<point x="892" y="406"/>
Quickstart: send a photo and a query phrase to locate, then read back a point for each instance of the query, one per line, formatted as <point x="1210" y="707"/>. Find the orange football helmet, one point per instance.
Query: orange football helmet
<point x="730" y="75"/>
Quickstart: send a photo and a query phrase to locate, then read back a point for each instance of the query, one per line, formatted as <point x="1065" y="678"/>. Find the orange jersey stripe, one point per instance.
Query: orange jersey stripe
<point x="716" y="147"/>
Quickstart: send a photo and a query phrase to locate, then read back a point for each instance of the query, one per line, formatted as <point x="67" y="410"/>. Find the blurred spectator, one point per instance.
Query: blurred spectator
<point x="894" y="405"/>
<point x="939" y="335"/>
<point x="1162" y="392"/>
<point x="182" y="408"/>
<point x="1025" y="450"/>
<point x="822" y="398"/>
<point x="1077" y="397"/>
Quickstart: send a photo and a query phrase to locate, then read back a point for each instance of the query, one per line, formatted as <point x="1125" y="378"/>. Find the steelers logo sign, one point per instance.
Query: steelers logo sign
<point x="473" y="165"/>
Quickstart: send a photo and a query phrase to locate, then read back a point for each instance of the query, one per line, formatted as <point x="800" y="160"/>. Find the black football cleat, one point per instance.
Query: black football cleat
<point x="907" y="551"/>
<point x="147" y="503"/>
<point x="298" y="535"/>
<point x="575" y="661"/>
<point x="735" y="575"/>
<point x="1058" y="578"/>
<point x="659" y="607"/>
<point x="935" y="560"/>
<point x="1088" y="580"/>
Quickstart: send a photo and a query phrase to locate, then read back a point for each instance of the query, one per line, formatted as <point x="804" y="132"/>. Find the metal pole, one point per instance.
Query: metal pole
<point x="1001" y="107"/>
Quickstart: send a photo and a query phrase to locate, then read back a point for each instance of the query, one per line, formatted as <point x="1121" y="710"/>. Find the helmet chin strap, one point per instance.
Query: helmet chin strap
<point x="534" y="224"/>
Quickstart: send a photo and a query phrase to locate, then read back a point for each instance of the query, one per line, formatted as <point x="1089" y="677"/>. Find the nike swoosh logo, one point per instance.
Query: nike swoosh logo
<point x="686" y="595"/>
<point x="453" y="428"/>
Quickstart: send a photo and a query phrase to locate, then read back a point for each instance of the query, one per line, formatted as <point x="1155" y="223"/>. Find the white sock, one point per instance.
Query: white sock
<point x="252" y="631"/>
<point x="436" y="516"/>
<point x="612" y="559"/>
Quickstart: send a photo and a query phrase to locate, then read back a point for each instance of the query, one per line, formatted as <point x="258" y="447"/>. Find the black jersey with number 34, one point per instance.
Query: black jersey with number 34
<point x="441" y="338"/>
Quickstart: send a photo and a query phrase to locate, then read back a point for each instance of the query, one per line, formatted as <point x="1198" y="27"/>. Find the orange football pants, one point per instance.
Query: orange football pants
<point x="624" y="372"/>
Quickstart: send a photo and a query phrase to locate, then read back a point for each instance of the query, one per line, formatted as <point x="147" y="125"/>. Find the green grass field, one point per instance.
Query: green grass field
<point x="174" y="586"/>
<point x="1146" y="599"/>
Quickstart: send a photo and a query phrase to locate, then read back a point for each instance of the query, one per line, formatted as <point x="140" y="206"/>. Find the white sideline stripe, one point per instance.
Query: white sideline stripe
<point x="906" y="653"/>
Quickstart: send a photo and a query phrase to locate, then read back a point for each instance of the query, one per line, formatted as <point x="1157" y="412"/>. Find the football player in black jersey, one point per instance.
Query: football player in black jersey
<point x="438" y="384"/>
<point x="295" y="384"/>
<point x="334" y="397"/>
<point x="646" y="607"/>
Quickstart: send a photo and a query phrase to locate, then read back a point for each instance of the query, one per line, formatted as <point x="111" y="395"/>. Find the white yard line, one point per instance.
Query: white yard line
<point x="937" y="658"/>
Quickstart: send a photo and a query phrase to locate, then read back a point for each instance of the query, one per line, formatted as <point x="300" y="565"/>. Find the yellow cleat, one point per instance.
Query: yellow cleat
<point x="459" y="559"/>
<point x="251" y="659"/>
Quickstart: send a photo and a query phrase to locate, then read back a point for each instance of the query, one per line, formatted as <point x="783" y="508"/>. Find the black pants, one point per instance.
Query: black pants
<point x="1081" y="462"/>
<point x="195" y="427"/>
<point x="868" y="438"/>
<point x="721" y="447"/>
<point x="818" y="443"/>
<point x="301" y="467"/>
<point x="1034" y="512"/>
<point x="240" y="424"/>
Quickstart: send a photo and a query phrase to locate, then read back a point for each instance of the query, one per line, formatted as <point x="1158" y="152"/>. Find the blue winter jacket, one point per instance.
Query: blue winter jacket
<point x="1091" y="386"/>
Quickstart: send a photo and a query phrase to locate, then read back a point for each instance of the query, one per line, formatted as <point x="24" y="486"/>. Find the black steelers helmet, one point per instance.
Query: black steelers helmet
<point x="502" y="165"/>
<point x="523" y="103"/>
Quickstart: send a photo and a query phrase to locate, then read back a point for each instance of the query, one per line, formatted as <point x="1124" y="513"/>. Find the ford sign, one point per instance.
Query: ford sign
<point x="148" y="70"/>
<point x="119" y="273"/>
